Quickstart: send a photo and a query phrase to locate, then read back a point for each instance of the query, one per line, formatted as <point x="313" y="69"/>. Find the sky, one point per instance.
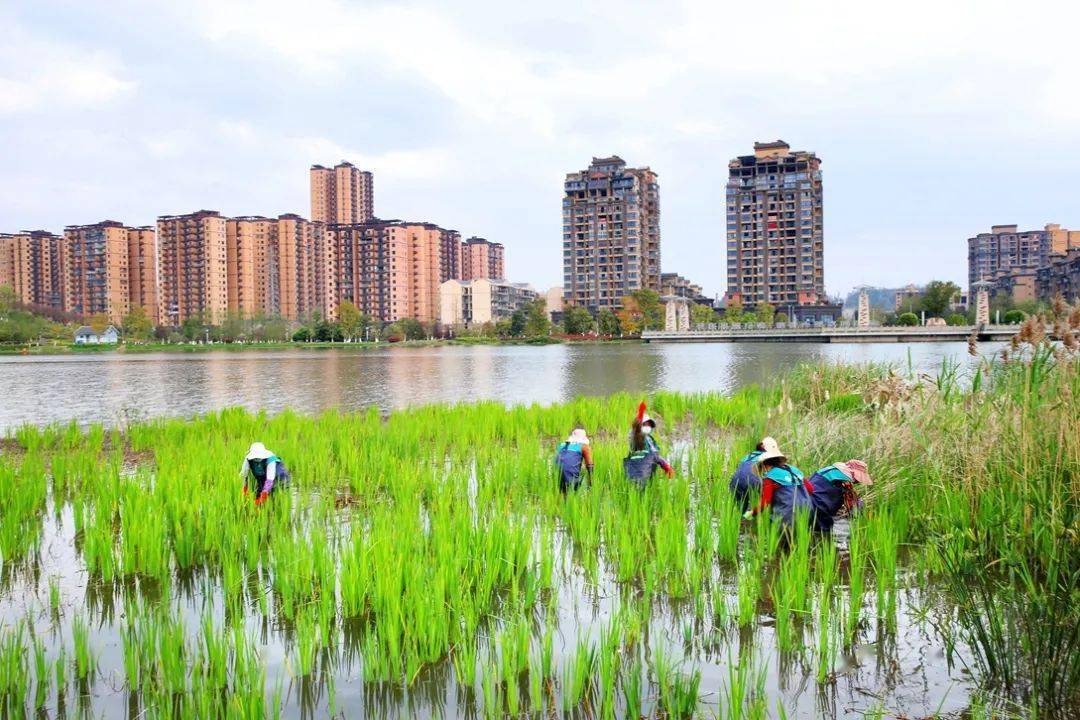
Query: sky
<point x="933" y="120"/>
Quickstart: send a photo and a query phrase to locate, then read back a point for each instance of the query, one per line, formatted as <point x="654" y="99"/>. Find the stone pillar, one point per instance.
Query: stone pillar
<point x="671" y="316"/>
<point x="982" y="306"/>
<point x="864" y="308"/>
<point x="683" y="319"/>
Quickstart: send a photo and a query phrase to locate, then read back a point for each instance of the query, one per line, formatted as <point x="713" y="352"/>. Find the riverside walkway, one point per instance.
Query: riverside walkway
<point x="837" y="334"/>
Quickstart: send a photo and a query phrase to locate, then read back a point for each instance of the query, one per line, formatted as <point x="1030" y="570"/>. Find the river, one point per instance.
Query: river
<point x="114" y="388"/>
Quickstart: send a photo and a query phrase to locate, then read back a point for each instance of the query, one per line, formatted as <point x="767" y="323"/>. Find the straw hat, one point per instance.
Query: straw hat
<point x="578" y="436"/>
<point x="772" y="450"/>
<point x="856" y="470"/>
<point x="258" y="451"/>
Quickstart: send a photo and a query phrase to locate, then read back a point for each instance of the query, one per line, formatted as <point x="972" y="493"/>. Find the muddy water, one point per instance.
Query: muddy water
<point x="114" y="388"/>
<point x="902" y="671"/>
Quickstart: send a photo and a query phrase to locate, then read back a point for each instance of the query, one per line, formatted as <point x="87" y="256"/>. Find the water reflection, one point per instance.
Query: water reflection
<point x="110" y="388"/>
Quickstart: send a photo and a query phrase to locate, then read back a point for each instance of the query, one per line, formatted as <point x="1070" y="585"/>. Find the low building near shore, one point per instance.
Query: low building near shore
<point x="472" y="303"/>
<point x="85" y="335"/>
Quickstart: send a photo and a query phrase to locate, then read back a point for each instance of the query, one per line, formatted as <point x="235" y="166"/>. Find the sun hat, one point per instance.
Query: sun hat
<point x="856" y="470"/>
<point x="578" y="436"/>
<point x="647" y="420"/>
<point x="772" y="450"/>
<point x="643" y="418"/>
<point x="258" y="451"/>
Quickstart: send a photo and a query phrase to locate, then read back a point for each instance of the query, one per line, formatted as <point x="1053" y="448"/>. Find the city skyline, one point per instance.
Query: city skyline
<point x="476" y="132"/>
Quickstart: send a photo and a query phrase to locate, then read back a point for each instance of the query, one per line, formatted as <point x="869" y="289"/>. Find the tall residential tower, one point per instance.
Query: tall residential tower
<point x="775" y="246"/>
<point x="611" y="234"/>
<point x="342" y="194"/>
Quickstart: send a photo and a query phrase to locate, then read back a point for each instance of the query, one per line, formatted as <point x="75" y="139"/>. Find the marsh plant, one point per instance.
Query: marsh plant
<point x="433" y="546"/>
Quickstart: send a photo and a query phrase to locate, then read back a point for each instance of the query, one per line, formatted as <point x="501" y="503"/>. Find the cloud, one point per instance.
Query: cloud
<point x="39" y="74"/>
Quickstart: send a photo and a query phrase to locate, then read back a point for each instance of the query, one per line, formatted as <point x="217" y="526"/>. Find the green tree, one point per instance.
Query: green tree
<point x="701" y="314"/>
<point x="733" y="313"/>
<point x="517" y="323"/>
<point x="908" y="319"/>
<point x="608" y="323"/>
<point x="192" y="327"/>
<point x="765" y="313"/>
<point x="577" y="321"/>
<point x="938" y="296"/>
<point x="1013" y="317"/>
<point x="631" y="317"/>
<point x="98" y="322"/>
<point x="652" y="310"/>
<point x="8" y="299"/>
<point x="537" y="322"/>
<point x="957" y="319"/>
<point x="412" y="329"/>
<point x="350" y="319"/>
<point x="137" y="325"/>
<point x="328" y="331"/>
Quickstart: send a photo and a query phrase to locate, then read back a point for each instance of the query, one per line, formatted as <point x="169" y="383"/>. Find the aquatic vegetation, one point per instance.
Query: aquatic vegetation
<point x="431" y="548"/>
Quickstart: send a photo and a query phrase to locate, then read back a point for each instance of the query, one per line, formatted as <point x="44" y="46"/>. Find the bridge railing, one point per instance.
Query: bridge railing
<point x="833" y="330"/>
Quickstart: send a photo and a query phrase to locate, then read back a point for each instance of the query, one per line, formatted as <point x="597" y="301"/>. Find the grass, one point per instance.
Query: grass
<point x="434" y="543"/>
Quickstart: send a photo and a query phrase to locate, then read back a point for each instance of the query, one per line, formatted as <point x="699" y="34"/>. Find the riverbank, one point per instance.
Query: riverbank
<point x="424" y="562"/>
<point x="199" y="347"/>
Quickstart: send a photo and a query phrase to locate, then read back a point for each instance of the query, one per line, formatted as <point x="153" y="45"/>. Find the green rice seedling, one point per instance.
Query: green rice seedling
<point x="632" y="690"/>
<point x="677" y="691"/>
<point x="856" y="579"/>
<point x="54" y="598"/>
<point x="85" y="661"/>
<point x="14" y="672"/>
<point x="42" y="674"/>
<point x="577" y="675"/>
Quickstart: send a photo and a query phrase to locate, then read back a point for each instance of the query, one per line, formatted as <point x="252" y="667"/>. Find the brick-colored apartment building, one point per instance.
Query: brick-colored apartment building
<point x="611" y="233"/>
<point x="390" y="269"/>
<point x="775" y="236"/>
<point x="307" y="269"/>
<point x="342" y="194"/>
<point x="1006" y="249"/>
<point x="32" y="263"/>
<point x="193" y="267"/>
<point x="482" y="258"/>
<point x="110" y="268"/>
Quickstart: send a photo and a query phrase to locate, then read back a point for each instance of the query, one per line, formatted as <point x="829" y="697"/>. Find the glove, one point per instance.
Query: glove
<point x="261" y="499"/>
<point x="748" y="514"/>
<point x="671" y="472"/>
<point x="245" y="490"/>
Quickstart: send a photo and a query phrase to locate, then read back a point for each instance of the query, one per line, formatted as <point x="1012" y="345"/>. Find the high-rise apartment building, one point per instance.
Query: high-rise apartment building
<point x="452" y="256"/>
<point x="307" y="266"/>
<point x="251" y="244"/>
<point x="193" y="267"/>
<point x="342" y="194"/>
<point x="481" y="258"/>
<point x="33" y="264"/>
<point x="1006" y="248"/>
<point x="775" y="235"/>
<point x="143" y="270"/>
<point x="110" y="269"/>
<point x="390" y="269"/>
<point x="611" y="233"/>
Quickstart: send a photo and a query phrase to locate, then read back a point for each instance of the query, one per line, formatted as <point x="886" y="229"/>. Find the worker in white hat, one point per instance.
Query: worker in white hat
<point x="745" y="481"/>
<point x="266" y="469"/>
<point x="644" y="458"/>
<point x="571" y="456"/>
<point x="783" y="486"/>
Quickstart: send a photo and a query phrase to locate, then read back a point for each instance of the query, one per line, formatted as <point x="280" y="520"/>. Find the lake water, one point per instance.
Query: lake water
<point x="113" y="388"/>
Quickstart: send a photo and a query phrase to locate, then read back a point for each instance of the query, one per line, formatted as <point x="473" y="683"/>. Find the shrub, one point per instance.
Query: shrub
<point x="908" y="319"/>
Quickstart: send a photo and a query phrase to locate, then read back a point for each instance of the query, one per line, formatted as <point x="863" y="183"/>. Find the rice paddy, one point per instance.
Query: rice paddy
<point x="424" y="563"/>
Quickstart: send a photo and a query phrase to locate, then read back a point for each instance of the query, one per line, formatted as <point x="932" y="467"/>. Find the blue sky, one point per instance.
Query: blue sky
<point x="933" y="120"/>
